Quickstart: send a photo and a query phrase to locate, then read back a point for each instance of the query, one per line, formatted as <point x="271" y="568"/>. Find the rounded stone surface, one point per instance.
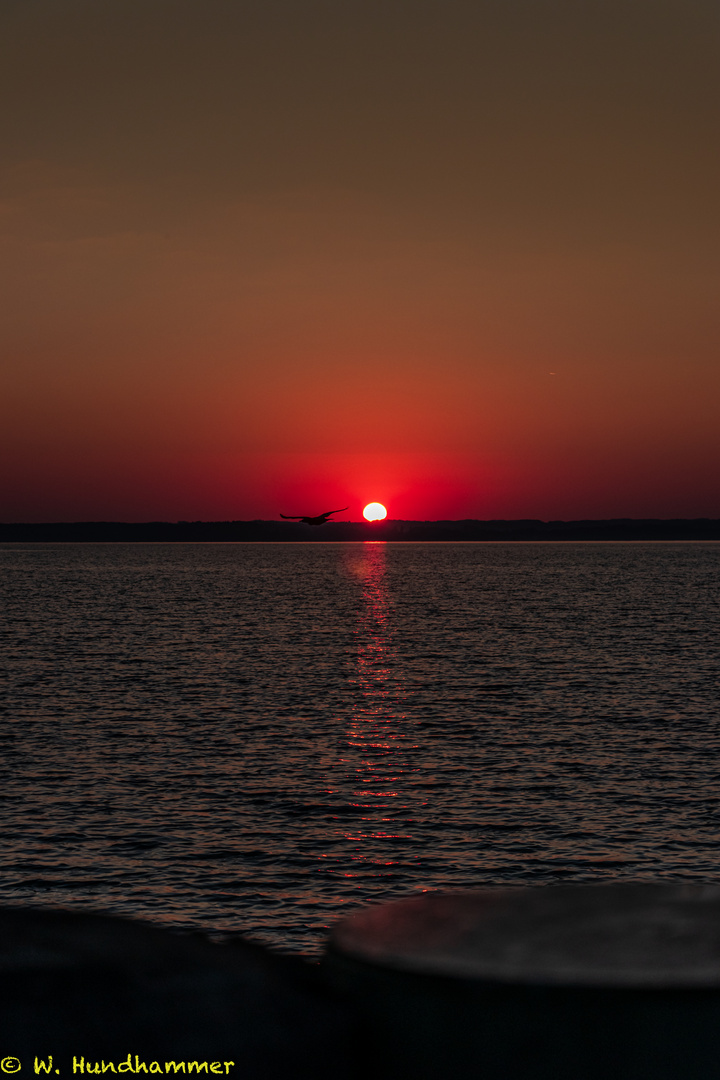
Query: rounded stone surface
<point x="623" y="935"/>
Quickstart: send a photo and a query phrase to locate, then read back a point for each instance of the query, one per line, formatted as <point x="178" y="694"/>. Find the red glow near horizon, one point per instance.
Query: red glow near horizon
<point x="201" y="321"/>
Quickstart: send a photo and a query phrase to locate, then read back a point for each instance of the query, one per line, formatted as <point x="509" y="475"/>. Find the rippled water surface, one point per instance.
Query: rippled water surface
<point x="255" y="738"/>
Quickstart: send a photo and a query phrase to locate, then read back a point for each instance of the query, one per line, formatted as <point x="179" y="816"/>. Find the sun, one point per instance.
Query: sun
<point x="374" y="512"/>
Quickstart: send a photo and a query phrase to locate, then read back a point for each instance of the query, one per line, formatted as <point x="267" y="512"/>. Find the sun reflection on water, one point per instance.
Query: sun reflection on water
<point x="376" y="766"/>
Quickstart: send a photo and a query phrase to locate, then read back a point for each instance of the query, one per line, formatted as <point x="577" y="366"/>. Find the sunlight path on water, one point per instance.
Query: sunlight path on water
<point x="254" y="738"/>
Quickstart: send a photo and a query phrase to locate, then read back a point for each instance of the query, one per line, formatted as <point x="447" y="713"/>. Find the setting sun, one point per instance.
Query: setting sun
<point x="374" y="512"/>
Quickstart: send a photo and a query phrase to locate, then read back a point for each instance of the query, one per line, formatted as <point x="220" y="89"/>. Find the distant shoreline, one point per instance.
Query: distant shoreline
<point x="348" y="531"/>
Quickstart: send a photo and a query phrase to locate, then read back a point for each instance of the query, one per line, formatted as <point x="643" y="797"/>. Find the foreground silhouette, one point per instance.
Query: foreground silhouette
<point x="319" y="520"/>
<point x="102" y="986"/>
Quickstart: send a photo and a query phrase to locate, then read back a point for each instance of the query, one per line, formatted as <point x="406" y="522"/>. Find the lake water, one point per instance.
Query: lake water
<point x="257" y="738"/>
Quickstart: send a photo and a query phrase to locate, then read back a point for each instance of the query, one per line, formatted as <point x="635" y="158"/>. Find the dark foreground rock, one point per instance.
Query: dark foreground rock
<point x="583" y="982"/>
<point x="75" y="985"/>
<point x="568" y="982"/>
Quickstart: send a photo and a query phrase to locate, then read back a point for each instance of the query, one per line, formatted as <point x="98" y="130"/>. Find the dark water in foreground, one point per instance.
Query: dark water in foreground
<point x="256" y="738"/>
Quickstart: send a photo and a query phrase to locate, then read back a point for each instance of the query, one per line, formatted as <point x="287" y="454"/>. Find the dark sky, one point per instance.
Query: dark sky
<point x="459" y="257"/>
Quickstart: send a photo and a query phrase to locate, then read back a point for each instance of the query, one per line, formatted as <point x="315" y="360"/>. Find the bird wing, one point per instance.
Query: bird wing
<point x="319" y="520"/>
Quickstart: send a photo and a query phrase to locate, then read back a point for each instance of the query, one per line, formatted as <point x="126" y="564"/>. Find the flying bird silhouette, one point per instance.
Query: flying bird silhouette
<point x="319" y="520"/>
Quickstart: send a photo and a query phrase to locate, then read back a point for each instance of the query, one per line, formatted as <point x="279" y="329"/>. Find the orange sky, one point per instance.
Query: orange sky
<point x="461" y="258"/>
